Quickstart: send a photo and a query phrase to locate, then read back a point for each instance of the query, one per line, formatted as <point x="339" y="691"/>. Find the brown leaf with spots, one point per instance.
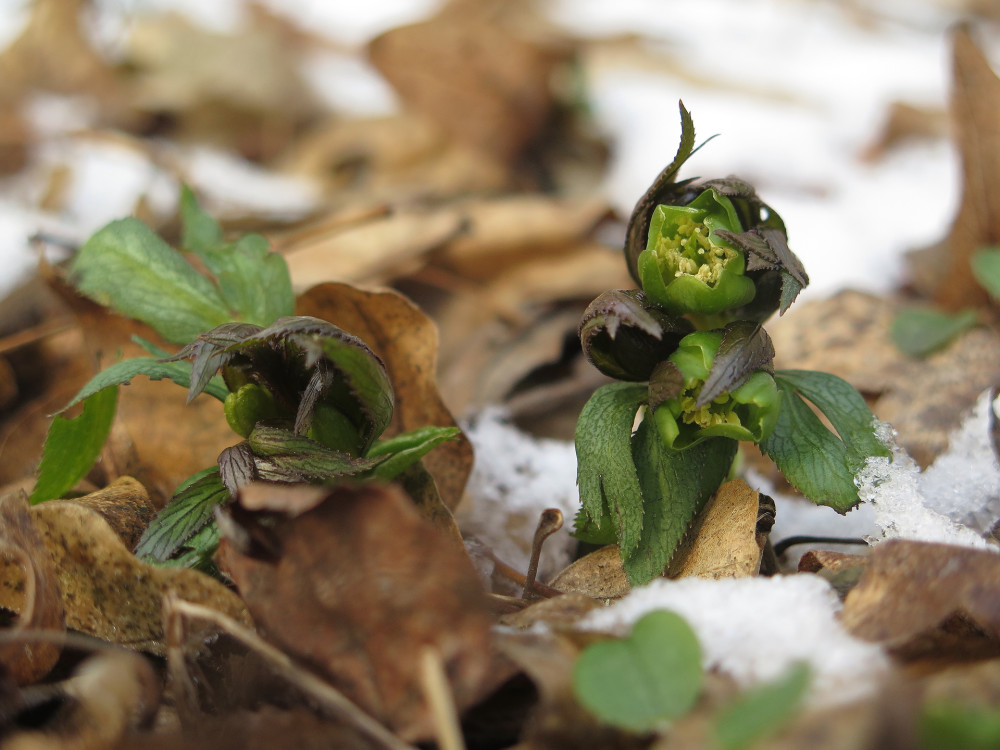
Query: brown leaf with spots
<point x="406" y="340"/>
<point x="355" y="588"/>
<point x="975" y="109"/>
<point x="110" y="594"/>
<point x="28" y="586"/>
<point x="923" y="600"/>
<point x="125" y="505"/>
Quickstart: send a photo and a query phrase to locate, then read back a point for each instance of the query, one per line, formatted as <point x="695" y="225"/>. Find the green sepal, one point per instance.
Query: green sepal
<point x="73" y="445"/>
<point x="249" y="405"/>
<point x="606" y="472"/>
<point x="816" y="461"/>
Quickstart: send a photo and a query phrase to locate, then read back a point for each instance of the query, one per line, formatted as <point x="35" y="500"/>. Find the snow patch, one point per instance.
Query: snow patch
<point x="754" y="629"/>
<point x="515" y="477"/>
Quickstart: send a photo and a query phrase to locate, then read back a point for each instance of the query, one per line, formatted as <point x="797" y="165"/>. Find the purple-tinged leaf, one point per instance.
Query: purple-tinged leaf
<point x="745" y="348"/>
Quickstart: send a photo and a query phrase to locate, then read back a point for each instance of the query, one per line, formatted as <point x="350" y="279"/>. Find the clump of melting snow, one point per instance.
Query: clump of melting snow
<point x="754" y="629"/>
<point x="515" y="478"/>
<point x="954" y="502"/>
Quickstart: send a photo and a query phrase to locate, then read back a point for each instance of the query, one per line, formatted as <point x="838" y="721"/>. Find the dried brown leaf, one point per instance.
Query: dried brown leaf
<point x="723" y="541"/>
<point x="384" y="248"/>
<point x="923" y="600"/>
<point x="28" y="586"/>
<point x="406" y="340"/>
<point x="360" y="583"/>
<point x="125" y="505"/>
<point x="599" y="575"/>
<point x="110" y="594"/>
<point x="477" y="81"/>
<point x="975" y="109"/>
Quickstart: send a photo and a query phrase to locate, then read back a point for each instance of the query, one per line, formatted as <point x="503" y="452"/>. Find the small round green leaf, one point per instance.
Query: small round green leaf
<point x="918" y="332"/>
<point x="650" y="677"/>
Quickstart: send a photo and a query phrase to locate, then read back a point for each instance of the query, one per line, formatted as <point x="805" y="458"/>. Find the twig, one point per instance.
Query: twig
<point x="325" y="694"/>
<point x="549" y="523"/>
<point x="437" y="691"/>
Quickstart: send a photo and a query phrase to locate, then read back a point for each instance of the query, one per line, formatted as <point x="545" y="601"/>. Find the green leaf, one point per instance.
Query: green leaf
<point x="187" y="512"/>
<point x="761" y="710"/>
<point x="675" y="486"/>
<point x="402" y="451"/>
<point x="649" y="678"/>
<point x="254" y="281"/>
<point x="73" y="445"/>
<point x="605" y="469"/>
<point x="200" y="232"/>
<point x="986" y="269"/>
<point x="197" y="552"/>
<point x="918" y="332"/>
<point x="125" y="266"/>
<point x="121" y="373"/>
<point x="946" y="726"/>
<point x="819" y="463"/>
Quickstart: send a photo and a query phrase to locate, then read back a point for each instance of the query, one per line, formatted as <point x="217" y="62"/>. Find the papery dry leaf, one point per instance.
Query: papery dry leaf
<point x="52" y="53"/>
<point x="384" y="248"/>
<point x="723" y="541"/>
<point x="110" y="594"/>
<point x="841" y="569"/>
<point x="924" y="400"/>
<point x="406" y="340"/>
<point x="108" y="695"/>
<point x="359" y="584"/>
<point x="477" y="81"/>
<point x="923" y="600"/>
<point x="558" y="612"/>
<point x="125" y="505"/>
<point x="975" y="109"/>
<point x="28" y="586"/>
<point x="400" y="160"/>
<point x="503" y="231"/>
<point x="599" y="575"/>
<point x="905" y="123"/>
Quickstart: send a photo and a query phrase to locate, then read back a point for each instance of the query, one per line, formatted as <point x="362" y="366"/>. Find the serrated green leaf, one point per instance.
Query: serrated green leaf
<point x="188" y="511"/>
<point x="402" y="451"/>
<point x="197" y="552"/>
<point x="127" y="267"/>
<point x="761" y="710"/>
<point x="918" y="332"/>
<point x="121" y="373"/>
<point x="642" y="681"/>
<point x="73" y="445"/>
<point x="986" y="269"/>
<point x="606" y="472"/>
<point x="200" y="232"/>
<point x="254" y="281"/>
<point x="819" y="463"/>
<point x="675" y="486"/>
<point x="846" y="409"/>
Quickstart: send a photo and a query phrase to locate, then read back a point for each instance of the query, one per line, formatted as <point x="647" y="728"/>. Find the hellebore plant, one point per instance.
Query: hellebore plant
<point x="712" y="263"/>
<point x="310" y="400"/>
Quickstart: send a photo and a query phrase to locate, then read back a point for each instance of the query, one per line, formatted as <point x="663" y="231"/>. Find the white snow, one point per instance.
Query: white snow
<point x="514" y="479"/>
<point x="754" y="629"/>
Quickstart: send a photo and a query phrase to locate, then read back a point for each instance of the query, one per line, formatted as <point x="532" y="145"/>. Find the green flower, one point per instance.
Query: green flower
<point x="687" y="267"/>
<point x="683" y="418"/>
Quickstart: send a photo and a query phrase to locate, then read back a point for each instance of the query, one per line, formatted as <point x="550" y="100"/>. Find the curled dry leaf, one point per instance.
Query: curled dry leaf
<point x="28" y="586"/>
<point x="723" y="541"/>
<point x="107" y="696"/>
<point x="355" y="587"/>
<point x="925" y="600"/>
<point x="477" y="81"/>
<point x="383" y="248"/>
<point x="125" y="505"/>
<point x="406" y="340"/>
<point x="975" y="109"/>
<point x="110" y="594"/>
